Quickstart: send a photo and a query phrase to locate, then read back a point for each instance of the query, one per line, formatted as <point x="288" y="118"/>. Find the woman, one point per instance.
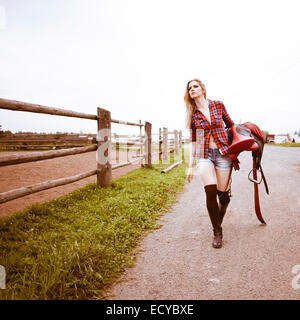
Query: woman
<point x="209" y="147"/>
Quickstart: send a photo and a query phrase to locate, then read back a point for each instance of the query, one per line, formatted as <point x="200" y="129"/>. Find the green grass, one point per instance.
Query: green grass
<point x="76" y="246"/>
<point x="285" y="144"/>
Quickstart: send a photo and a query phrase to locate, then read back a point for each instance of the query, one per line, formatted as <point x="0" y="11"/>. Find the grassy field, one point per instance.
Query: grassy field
<point x="74" y="247"/>
<point x="285" y="144"/>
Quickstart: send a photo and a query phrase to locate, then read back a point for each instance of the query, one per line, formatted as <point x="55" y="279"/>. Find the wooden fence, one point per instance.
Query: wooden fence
<point x="170" y="146"/>
<point x="102" y="147"/>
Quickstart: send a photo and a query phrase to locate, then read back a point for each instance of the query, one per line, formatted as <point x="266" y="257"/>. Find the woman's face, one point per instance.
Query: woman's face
<point x="195" y="89"/>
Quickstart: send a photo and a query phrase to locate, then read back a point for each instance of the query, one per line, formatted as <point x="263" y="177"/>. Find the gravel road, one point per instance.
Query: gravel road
<point x="177" y="261"/>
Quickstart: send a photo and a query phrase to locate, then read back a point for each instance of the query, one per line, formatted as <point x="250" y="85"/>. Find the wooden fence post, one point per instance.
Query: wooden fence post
<point x="117" y="147"/>
<point x="104" y="170"/>
<point x="148" y="144"/>
<point x="176" y="142"/>
<point x="172" y="148"/>
<point x="165" y="144"/>
<point x="127" y="151"/>
<point x="180" y="139"/>
<point x="160" y="146"/>
<point x="141" y="147"/>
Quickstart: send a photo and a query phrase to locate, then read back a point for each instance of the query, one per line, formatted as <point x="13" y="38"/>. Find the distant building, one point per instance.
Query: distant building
<point x="295" y="138"/>
<point x="270" y="138"/>
<point x="282" y="138"/>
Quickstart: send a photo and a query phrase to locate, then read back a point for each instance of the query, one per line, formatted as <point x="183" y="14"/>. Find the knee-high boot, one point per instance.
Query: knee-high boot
<point x="214" y="214"/>
<point x="224" y="200"/>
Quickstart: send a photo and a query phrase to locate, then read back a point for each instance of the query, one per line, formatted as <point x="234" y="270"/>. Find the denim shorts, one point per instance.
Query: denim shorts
<point x="214" y="156"/>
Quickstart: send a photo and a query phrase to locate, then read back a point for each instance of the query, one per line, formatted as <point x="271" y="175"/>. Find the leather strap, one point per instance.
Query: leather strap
<point x="264" y="179"/>
<point x="256" y="195"/>
<point x="229" y="182"/>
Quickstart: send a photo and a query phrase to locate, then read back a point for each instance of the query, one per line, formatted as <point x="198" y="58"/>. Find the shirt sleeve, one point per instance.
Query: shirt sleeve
<point x="193" y="131"/>
<point x="229" y="123"/>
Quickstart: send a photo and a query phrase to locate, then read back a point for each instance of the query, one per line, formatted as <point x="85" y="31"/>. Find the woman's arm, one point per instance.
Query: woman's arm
<point x="192" y="152"/>
<point x="193" y="149"/>
<point x="192" y="155"/>
<point x="191" y="161"/>
<point x="226" y="118"/>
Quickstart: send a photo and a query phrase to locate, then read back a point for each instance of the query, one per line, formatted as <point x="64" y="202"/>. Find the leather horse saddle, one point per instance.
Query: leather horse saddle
<point x="248" y="137"/>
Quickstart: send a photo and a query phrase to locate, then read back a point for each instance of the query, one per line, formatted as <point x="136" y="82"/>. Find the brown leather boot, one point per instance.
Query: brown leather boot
<point x="224" y="200"/>
<point x="217" y="242"/>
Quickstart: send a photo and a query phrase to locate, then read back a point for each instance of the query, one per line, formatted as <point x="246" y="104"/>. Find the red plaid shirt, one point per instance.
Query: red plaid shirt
<point x="202" y="129"/>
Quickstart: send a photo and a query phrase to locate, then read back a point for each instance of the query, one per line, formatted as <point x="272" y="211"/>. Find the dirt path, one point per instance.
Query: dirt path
<point x="178" y="262"/>
<point x="20" y="175"/>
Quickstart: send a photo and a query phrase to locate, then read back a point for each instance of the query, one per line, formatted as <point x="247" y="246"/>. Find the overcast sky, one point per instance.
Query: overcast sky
<point x="134" y="58"/>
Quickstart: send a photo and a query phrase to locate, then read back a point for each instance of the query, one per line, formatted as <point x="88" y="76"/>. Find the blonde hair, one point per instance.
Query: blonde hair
<point x="190" y="103"/>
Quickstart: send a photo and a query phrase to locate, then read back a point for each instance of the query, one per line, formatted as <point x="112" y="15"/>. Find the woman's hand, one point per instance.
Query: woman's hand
<point x="189" y="175"/>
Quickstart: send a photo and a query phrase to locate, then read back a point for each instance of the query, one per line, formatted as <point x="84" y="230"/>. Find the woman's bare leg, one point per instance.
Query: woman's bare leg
<point x="207" y="173"/>
<point x="223" y="177"/>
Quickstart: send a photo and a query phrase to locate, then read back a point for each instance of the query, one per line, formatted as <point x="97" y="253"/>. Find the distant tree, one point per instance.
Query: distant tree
<point x="265" y="133"/>
<point x="6" y="133"/>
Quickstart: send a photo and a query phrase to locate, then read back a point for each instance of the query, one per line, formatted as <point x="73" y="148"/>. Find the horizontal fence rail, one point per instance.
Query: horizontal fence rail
<point x="172" y="166"/>
<point x="116" y="166"/>
<point x="44" y="155"/>
<point x="42" y="141"/>
<point x="36" y="108"/>
<point x="21" y="192"/>
<point x="127" y="123"/>
<point x="39" y="147"/>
